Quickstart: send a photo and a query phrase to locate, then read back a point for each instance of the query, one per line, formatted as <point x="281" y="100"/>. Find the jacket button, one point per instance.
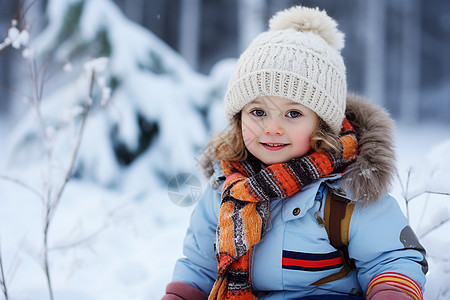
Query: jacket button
<point x="296" y="211"/>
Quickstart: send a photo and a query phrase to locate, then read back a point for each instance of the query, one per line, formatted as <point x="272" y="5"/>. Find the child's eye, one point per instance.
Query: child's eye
<point x="258" y="112"/>
<point x="293" y="114"/>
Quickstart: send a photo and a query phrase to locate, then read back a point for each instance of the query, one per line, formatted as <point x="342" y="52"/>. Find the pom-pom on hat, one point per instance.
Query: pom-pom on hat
<point x="299" y="59"/>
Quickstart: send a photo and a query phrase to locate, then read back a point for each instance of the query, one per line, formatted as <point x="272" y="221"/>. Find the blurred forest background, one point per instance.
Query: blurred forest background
<point x="397" y="52"/>
<point x="103" y="149"/>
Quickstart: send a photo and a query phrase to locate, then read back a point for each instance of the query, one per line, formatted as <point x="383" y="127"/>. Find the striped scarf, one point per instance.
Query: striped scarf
<point x="244" y="211"/>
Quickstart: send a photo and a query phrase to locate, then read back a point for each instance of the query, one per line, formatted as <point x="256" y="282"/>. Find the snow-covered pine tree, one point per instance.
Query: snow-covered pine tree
<point x="157" y="118"/>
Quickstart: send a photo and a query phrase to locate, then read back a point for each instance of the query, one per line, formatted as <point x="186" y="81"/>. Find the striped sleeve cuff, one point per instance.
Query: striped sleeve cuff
<point x="399" y="281"/>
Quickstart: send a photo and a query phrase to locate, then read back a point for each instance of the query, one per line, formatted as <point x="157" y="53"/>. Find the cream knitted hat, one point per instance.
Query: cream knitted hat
<point x="298" y="59"/>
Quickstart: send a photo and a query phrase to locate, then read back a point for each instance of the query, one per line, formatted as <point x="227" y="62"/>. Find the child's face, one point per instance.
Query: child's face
<point x="276" y="130"/>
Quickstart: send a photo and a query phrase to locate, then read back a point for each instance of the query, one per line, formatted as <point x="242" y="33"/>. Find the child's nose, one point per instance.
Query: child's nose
<point x="273" y="126"/>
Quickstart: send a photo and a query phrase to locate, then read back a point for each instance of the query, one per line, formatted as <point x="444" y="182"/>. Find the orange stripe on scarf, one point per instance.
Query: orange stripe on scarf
<point x="349" y="143"/>
<point x="322" y="162"/>
<point x="284" y="178"/>
<point x="226" y="225"/>
<point x="252" y="224"/>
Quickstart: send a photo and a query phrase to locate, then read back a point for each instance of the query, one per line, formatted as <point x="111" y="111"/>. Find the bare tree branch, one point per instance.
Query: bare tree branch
<point x="22" y="184"/>
<point x="437" y="193"/>
<point x="52" y="205"/>
<point x="401" y="183"/>
<point x="16" y="92"/>
<point x="435" y="227"/>
<point x="20" y="14"/>
<point x="2" y="276"/>
<point x="77" y="143"/>
<point x="81" y="241"/>
<point x="428" y="192"/>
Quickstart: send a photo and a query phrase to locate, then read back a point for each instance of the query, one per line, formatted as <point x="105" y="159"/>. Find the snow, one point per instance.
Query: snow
<point x="116" y="233"/>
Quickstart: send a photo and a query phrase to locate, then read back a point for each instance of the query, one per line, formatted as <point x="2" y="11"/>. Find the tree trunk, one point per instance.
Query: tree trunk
<point x="410" y="73"/>
<point x="374" y="84"/>
<point x="189" y="33"/>
<point x="251" y="21"/>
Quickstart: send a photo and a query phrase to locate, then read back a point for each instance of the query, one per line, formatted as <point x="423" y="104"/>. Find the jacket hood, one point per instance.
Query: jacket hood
<point x="372" y="174"/>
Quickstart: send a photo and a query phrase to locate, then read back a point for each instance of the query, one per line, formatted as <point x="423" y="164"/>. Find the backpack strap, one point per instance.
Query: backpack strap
<point x="337" y="214"/>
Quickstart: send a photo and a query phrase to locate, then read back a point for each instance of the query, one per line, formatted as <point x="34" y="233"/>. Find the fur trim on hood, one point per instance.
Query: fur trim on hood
<point x="371" y="176"/>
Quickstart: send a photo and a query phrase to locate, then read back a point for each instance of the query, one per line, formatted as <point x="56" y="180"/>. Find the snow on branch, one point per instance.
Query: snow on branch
<point x="17" y="39"/>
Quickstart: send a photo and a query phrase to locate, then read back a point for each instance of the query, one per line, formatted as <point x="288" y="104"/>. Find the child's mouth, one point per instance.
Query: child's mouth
<point x="273" y="146"/>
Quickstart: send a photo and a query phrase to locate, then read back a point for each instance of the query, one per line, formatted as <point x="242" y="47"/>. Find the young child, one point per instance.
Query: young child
<point x="295" y="138"/>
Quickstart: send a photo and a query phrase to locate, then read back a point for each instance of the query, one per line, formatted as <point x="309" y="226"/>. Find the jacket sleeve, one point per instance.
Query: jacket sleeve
<point x="385" y="249"/>
<point x="178" y="290"/>
<point x="198" y="267"/>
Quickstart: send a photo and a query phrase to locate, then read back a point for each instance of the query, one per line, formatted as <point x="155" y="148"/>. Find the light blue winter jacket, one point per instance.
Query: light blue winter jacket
<point x="380" y="239"/>
<point x="375" y="243"/>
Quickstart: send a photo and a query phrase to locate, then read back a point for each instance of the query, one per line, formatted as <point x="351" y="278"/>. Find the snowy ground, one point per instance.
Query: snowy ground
<point x="111" y="246"/>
